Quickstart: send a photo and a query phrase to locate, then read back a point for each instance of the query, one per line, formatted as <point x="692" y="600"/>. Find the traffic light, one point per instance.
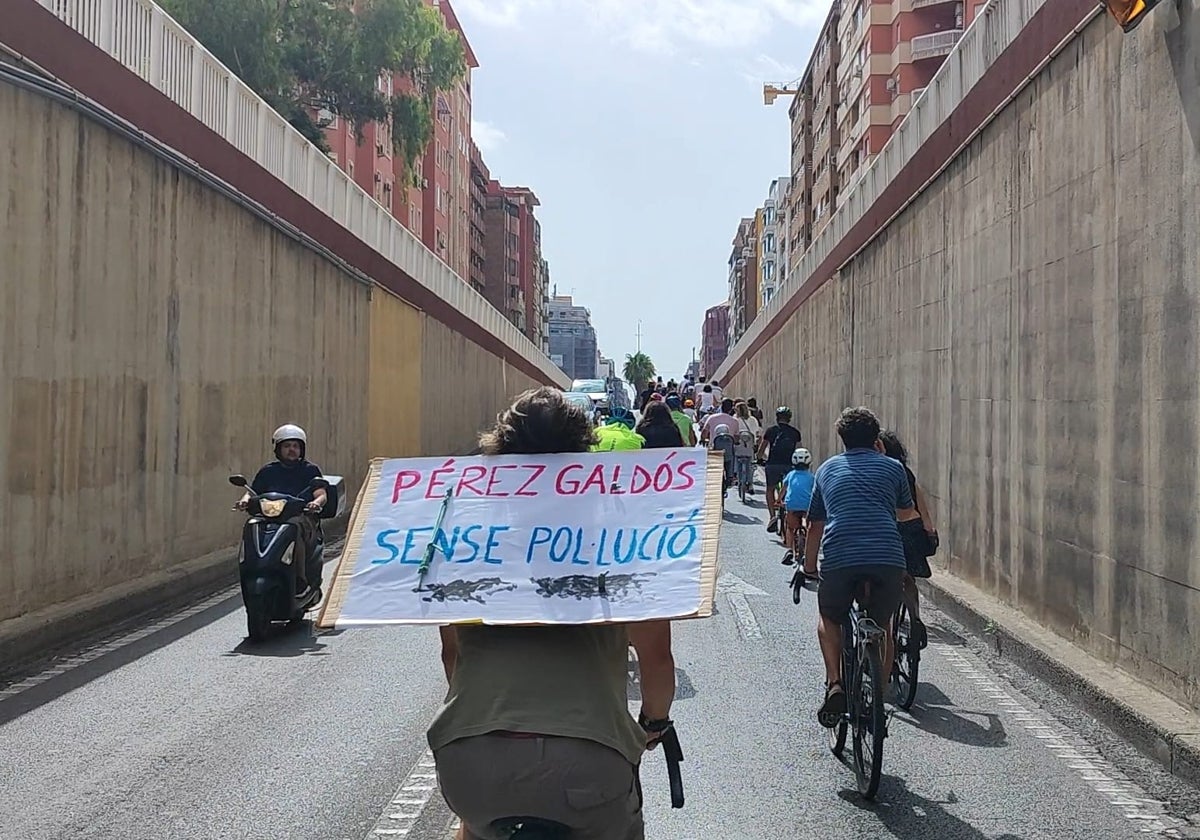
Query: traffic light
<point x="1129" y="13"/>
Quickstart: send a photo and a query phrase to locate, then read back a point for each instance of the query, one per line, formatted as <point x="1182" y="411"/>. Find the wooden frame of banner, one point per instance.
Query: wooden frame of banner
<point x="710" y="539"/>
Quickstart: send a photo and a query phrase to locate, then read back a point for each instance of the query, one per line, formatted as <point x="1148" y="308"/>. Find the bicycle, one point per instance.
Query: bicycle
<point x="796" y="555"/>
<point x="799" y="533"/>
<point x="862" y="680"/>
<point x="906" y="664"/>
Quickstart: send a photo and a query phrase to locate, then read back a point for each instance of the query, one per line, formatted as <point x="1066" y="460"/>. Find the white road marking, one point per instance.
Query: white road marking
<point x="107" y="647"/>
<point x="1109" y="782"/>
<point x="409" y="802"/>
<point x="736" y="590"/>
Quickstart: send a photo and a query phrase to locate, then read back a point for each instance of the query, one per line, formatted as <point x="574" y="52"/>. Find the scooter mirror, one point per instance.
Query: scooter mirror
<point x="238" y="480"/>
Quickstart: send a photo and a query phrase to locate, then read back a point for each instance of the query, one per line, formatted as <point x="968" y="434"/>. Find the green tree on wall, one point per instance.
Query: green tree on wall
<point x="638" y="370"/>
<point x="307" y="56"/>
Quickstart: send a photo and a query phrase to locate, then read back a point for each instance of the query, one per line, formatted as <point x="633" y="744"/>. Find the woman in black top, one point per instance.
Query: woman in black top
<point x="918" y="533"/>
<point x="658" y="427"/>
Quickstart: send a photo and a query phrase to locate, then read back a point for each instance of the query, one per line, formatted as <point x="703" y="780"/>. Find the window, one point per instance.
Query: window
<point x="437" y="197"/>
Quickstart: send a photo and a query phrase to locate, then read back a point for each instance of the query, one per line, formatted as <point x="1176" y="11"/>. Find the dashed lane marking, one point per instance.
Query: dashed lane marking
<point x="104" y="648"/>
<point x="409" y="802"/>
<point x="1147" y="813"/>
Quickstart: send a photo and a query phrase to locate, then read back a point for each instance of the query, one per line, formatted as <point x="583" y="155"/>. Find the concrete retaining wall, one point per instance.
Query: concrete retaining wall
<point x="152" y="334"/>
<point x="1029" y="325"/>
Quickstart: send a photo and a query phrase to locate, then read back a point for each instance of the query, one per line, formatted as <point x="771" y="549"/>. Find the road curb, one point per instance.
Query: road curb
<point x="1154" y="723"/>
<point x="38" y="636"/>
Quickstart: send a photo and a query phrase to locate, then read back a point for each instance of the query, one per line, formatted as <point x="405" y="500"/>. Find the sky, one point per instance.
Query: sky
<point x="640" y="126"/>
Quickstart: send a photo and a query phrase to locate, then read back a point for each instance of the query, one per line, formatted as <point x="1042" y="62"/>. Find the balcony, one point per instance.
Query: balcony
<point x="921" y="4"/>
<point x="935" y="44"/>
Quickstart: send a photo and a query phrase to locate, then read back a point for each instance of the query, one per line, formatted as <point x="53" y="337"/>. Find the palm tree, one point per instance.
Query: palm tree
<point x="638" y="370"/>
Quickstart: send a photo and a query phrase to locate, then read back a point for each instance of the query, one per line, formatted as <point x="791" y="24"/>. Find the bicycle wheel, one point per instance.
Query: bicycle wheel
<point x="798" y="588"/>
<point x="837" y="738"/>
<point x="868" y="720"/>
<point x="907" y="660"/>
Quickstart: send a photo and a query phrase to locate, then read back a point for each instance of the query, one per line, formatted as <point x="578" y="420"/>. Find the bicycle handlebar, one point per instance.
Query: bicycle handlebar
<point x="673" y="753"/>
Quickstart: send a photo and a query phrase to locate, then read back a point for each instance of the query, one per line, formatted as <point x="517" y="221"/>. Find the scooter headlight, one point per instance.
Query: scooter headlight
<point x="272" y="507"/>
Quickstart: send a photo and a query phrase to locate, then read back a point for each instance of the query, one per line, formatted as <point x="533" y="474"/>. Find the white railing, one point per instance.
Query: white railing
<point x="151" y="45"/>
<point x="916" y="94"/>
<point x="935" y="43"/>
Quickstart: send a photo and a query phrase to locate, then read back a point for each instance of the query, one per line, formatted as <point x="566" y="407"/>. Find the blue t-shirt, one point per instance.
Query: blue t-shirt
<point x="798" y="489"/>
<point x="856" y="496"/>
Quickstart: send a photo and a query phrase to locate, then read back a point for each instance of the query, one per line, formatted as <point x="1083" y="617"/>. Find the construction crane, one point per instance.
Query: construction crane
<point x="772" y="92"/>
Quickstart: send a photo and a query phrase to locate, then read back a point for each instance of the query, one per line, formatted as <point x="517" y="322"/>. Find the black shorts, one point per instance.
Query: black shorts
<point x="776" y="472"/>
<point x="835" y="594"/>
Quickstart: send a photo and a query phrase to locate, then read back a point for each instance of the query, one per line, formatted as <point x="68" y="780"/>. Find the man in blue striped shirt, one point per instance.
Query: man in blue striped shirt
<point x="852" y="521"/>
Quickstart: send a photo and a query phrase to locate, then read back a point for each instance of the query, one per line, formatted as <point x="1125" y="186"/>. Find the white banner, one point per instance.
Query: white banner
<point x="521" y="539"/>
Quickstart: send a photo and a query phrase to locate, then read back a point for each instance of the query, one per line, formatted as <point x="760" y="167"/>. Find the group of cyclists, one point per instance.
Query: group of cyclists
<point x="535" y="731"/>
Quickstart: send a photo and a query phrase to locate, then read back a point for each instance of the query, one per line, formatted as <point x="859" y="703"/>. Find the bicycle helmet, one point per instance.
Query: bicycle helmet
<point x="801" y="458"/>
<point x="689" y="403"/>
<point x="784" y="412"/>
<point x="673" y="402"/>
<point x="722" y="429"/>
<point x="289" y="431"/>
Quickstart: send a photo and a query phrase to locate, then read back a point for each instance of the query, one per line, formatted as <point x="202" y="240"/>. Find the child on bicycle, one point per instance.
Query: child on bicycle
<point x="797" y="487"/>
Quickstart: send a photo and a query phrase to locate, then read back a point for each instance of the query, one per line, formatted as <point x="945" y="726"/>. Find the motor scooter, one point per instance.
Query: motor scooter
<point x="272" y="551"/>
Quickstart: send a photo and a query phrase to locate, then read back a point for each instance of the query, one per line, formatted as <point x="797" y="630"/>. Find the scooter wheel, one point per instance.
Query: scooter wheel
<point x="258" y="625"/>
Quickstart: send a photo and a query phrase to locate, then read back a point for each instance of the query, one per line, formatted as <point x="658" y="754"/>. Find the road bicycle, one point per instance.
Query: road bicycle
<point x="863" y="681"/>
<point x="796" y="555"/>
<point x="906" y="665"/>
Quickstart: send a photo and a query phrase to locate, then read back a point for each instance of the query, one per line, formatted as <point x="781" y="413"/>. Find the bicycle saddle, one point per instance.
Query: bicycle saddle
<point x="531" y="828"/>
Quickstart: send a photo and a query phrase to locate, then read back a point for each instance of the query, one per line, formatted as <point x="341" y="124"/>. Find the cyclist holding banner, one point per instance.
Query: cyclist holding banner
<point x="536" y="722"/>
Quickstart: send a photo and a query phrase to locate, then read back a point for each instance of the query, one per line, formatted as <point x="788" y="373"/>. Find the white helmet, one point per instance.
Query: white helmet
<point x="289" y="431"/>
<point x="801" y="458"/>
<point x="722" y="429"/>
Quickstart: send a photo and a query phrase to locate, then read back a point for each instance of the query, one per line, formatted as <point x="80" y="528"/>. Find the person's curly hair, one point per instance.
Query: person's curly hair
<point x="858" y="428"/>
<point x="539" y="422"/>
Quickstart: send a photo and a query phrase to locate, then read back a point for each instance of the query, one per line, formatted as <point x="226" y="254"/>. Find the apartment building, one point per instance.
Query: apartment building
<point x="871" y="61"/>
<point x="770" y="221"/>
<point x="743" y="278"/>
<point x="433" y="200"/>
<point x="516" y="277"/>
<point x="503" y="254"/>
<point x="890" y="52"/>
<point x="572" y="339"/>
<point x="812" y="192"/>
<point x="480" y="176"/>
<point x="714" y="339"/>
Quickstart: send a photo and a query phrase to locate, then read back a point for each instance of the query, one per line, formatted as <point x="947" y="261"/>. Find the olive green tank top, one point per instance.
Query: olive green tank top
<point x="567" y="680"/>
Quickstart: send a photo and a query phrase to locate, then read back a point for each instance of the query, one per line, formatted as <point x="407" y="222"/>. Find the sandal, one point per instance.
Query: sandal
<point x="834" y="707"/>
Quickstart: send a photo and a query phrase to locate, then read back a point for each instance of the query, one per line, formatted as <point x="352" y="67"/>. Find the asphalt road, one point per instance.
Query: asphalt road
<point x="180" y="730"/>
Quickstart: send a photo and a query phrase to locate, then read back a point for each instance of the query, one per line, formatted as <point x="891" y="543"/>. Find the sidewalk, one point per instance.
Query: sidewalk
<point x="1154" y="723"/>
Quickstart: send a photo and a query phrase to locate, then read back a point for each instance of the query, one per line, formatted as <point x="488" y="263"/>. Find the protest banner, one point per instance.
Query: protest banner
<point x="531" y="539"/>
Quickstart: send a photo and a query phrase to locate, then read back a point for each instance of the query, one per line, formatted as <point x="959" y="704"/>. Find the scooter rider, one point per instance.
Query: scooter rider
<point x="292" y="474"/>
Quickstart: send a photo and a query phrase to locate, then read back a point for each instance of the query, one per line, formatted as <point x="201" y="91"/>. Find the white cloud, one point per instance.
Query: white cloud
<point x="660" y="26"/>
<point x="765" y="68"/>
<point x="486" y="136"/>
<point x="506" y="13"/>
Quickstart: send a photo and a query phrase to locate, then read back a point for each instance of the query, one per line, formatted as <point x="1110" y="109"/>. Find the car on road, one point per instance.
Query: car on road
<point x="597" y="391"/>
